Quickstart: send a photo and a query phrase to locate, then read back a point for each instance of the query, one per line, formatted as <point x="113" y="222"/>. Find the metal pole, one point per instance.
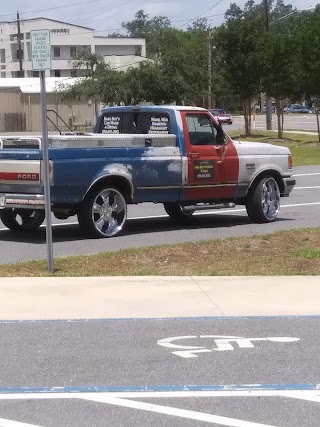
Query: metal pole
<point x="209" y="71"/>
<point x="268" y="99"/>
<point x="19" y="35"/>
<point x="45" y="162"/>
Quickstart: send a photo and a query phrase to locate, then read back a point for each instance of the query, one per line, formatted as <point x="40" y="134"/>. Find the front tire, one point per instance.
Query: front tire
<point x="263" y="201"/>
<point x="176" y="211"/>
<point x="103" y="212"/>
<point x="22" y="220"/>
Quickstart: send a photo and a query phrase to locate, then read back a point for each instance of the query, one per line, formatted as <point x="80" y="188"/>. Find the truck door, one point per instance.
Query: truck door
<point x="212" y="161"/>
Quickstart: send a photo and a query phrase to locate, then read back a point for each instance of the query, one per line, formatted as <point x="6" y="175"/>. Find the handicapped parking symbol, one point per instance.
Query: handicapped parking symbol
<point x="221" y="343"/>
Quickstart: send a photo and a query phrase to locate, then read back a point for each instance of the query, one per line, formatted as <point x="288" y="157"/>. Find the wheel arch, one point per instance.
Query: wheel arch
<point x="118" y="181"/>
<point x="267" y="173"/>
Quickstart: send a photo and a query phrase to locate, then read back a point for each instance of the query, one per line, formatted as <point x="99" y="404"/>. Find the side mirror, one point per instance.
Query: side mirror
<point x="220" y="138"/>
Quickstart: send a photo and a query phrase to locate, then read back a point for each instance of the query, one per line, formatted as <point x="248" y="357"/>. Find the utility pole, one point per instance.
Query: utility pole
<point x="268" y="99"/>
<point x="20" y="51"/>
<point x="209" y="71"/>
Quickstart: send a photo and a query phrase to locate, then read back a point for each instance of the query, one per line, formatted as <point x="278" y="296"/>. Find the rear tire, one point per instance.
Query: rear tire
<point x="22" y="220"/>
<point x="263" y="201"/>
<point x="176" y="212"/>
<point x="103" y="212"/>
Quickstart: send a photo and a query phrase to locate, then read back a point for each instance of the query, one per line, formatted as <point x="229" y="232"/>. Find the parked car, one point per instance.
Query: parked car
<point x="222" y="116"/>
<point x="297" y="108"/>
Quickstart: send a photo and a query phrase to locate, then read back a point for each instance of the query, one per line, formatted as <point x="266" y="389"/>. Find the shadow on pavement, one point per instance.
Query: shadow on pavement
<point x="71" y="232"/>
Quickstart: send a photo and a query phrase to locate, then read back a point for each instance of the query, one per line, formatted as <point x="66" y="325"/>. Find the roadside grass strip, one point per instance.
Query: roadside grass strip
<point x="305" y="148"/>
<point x="238" y="256"/>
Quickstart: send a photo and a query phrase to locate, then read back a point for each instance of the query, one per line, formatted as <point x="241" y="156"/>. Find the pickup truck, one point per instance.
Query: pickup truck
<point x="176" y="155"/>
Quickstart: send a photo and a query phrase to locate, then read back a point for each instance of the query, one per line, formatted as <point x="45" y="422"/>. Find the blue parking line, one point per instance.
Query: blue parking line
<point x="136" y="319"/>
<point x="160" y="388"/>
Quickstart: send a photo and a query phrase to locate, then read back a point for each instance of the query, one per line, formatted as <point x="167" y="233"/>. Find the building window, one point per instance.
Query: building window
<point x="138" y="50"/>
<point x="73" y="73"/>
<point x="57" y="73"/>
<point x="27" y="36"/>
<point x="73" y="52"/>
<point x="56" y="52"/>
<point x="16" y="74"/>
<point x="14" y="37"/>
<point x="21" y="53"/>
<point x="35" y="73"/>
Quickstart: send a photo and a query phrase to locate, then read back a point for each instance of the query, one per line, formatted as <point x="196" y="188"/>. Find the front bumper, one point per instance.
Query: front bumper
<point x="25" y="201"/>
<point x="289" y="183"/>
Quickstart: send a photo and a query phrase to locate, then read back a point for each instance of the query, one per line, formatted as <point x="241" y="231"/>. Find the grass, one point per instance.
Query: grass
<point x="294" y="252"/>
<point x="305" y="149"/>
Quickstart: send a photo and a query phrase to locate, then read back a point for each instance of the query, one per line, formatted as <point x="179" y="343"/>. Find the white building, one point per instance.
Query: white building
<point x="66" y="41"/>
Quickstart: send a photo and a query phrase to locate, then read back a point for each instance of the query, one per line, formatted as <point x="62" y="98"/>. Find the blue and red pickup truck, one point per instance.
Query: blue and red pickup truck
<point x="176" y="155"/>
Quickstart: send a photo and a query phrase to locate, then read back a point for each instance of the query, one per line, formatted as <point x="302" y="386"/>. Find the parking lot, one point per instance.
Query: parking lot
<point x="118" y="372"/>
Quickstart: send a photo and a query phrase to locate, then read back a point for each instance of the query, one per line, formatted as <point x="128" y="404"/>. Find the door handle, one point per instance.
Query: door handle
<point x="193" y="155"/>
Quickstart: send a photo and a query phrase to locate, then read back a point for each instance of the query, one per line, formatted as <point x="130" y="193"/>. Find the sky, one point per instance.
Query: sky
<point x="106" y="16"/>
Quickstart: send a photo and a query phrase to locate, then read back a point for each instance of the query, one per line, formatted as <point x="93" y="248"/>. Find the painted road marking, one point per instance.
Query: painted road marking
<point x="222" y="343"/>
<point x="176" y="412"/>
<point x="158" y="390"/>
<point x="306" y="174"/>
<point x="121" y="396"/>
<point x="10" y="423"/>
<point x="307" y="188"/>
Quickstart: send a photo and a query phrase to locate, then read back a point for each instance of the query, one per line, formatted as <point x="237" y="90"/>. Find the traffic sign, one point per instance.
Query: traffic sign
<point x="40" y="50"/>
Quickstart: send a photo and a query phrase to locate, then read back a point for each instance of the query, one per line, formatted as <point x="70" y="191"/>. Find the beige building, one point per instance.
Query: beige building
<point x="20" y="106"/>
<point x="66" y="41"/>
<point x="20" y="85"/>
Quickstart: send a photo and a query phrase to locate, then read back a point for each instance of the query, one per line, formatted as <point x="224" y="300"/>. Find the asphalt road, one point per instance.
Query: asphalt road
<point x="295" y="122"/>
<point x="245" y="372"/>
<point x="149" y="225"/>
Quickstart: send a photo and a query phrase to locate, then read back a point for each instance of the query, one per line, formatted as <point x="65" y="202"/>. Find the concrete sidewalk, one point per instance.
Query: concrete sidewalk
<point x="137" y="297"/>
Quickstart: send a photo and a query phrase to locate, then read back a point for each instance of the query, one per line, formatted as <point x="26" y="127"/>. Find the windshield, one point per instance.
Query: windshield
<point x="218" y="111"/>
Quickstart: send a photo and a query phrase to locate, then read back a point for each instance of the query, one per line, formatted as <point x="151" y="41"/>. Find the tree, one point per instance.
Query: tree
<point x="238" y="41"/>
<point x="141" y="25"/>
<point x="281" y="70"/>
<point x="88" y="60"/>
<point x="311" y="60"/>
<point x="234" y="12"/>
<point x="150" y="29"/>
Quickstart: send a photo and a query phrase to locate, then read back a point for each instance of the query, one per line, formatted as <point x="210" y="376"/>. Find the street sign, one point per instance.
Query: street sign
<point x="40" y="50"/>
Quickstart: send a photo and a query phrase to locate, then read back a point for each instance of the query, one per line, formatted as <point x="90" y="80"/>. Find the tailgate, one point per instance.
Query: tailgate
<point x="20" y="174"/>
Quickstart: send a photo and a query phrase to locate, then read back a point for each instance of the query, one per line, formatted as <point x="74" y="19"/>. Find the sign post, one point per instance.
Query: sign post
<point x="41" y="61"/>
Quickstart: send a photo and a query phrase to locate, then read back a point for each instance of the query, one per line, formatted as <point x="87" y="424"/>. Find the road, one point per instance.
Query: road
<point x="149" y="225"/>
<point x="295" y="122"/>
<point x="245" y="372"/>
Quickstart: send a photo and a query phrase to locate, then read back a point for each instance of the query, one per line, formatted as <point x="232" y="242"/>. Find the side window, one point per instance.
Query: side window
<point x="200" y="129"/>
<point x="154" y="123"/>
<point x="111" y="123"/>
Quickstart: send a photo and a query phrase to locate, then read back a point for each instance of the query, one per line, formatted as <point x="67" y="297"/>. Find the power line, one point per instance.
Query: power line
<point x="54" y="8"/>
<point x="201" y="14"/>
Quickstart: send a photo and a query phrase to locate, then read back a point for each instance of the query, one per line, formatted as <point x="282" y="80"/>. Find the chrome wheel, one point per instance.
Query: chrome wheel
<point x="109" y="212"/>
<point x="270" y="199"/>
<point x="263" y="200"/>
<point x="103" y="212"/>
